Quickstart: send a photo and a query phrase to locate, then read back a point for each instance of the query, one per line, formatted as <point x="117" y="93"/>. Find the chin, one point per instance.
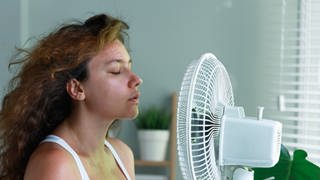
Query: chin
<point x="132" y="114"/>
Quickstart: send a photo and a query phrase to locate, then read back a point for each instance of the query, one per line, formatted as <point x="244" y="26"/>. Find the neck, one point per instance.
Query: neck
<point x="84" y="132"/>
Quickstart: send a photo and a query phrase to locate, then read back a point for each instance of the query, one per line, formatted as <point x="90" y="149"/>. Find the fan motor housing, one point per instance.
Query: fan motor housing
<point x="249" y="142"/>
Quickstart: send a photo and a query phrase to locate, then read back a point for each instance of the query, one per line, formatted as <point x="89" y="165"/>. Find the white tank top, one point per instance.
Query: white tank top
<point x="83" y="172"/>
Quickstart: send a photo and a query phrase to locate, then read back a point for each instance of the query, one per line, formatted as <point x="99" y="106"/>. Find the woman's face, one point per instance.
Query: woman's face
<point x="111" y="89"/>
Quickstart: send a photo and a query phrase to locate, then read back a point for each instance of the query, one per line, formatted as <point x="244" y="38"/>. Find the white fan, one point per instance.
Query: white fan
<point x="214" y="138"/>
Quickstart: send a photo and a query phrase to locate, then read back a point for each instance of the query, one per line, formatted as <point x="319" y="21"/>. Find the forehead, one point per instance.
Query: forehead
<point x="112" y="51"/>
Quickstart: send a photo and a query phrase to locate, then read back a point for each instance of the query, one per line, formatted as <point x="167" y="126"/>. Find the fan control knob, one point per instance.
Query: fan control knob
<point x="259" y="112"/>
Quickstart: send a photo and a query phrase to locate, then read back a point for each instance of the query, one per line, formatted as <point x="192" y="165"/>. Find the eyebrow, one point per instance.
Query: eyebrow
<point x="121" y="61"/>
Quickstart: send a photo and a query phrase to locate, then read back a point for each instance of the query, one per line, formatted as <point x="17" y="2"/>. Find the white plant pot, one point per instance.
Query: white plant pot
<point x="153" y="144"/>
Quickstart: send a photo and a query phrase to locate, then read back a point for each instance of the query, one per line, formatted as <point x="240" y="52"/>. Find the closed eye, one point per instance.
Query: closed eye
<point x="115" y="73"/>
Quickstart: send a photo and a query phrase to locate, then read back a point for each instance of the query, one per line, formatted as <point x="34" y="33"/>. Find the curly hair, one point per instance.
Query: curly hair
<point x="37" y="100"/>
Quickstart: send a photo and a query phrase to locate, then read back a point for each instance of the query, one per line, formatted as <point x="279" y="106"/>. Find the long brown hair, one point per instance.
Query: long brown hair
<point x="37" y="101"/>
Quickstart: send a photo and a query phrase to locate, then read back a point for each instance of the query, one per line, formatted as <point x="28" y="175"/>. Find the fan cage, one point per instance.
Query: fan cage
<point x="205" y="90"/>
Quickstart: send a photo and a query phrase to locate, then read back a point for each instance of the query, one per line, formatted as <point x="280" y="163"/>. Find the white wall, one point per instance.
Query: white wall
<point x="165" y="37"/>
<point x="9" y="37"/>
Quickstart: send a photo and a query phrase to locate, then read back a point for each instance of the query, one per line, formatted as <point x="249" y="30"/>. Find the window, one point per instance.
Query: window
<point x="298" y="80"/>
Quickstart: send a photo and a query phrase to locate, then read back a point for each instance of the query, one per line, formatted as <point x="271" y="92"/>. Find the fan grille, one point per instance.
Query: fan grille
<point x="205" y="90"/>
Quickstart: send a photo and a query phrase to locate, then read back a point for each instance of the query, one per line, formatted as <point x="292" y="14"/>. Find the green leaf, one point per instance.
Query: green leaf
<point x="153" y="118"/>
<point x="286" y="169"/>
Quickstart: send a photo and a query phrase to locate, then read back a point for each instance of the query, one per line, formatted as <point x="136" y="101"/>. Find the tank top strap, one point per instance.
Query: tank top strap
<point x="65" y="145"/>
<point x="117" y="158"/>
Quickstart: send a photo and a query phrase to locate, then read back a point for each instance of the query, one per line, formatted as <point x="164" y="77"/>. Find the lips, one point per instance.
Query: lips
<point x="135" y="97"/>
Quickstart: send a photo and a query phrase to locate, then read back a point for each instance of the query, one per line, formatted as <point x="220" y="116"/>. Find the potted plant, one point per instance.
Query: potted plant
<point x="153" y="133"/>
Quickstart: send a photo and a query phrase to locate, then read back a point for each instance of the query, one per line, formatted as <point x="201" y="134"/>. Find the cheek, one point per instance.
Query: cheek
<point x="109" y="92"/>
<point x="115" y="87"/>
<point x="105" y="91"/>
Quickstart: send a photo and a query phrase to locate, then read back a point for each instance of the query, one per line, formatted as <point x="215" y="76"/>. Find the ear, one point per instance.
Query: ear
<point x="75" y="90"/>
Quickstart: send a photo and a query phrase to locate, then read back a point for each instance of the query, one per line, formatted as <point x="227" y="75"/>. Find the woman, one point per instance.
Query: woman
<point x="72" y="85"/>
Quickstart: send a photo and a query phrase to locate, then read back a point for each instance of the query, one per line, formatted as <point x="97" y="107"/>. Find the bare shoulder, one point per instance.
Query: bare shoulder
<point x="120" y="146"/>
<point x="125" y="154"/>
<point x="50" y="161"/>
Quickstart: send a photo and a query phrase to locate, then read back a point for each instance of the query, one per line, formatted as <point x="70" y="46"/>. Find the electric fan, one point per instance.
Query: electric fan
<point x="214" y="138"/>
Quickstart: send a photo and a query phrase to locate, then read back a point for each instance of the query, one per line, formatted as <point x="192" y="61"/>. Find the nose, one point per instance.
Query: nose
<point x="135" y="81"/>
